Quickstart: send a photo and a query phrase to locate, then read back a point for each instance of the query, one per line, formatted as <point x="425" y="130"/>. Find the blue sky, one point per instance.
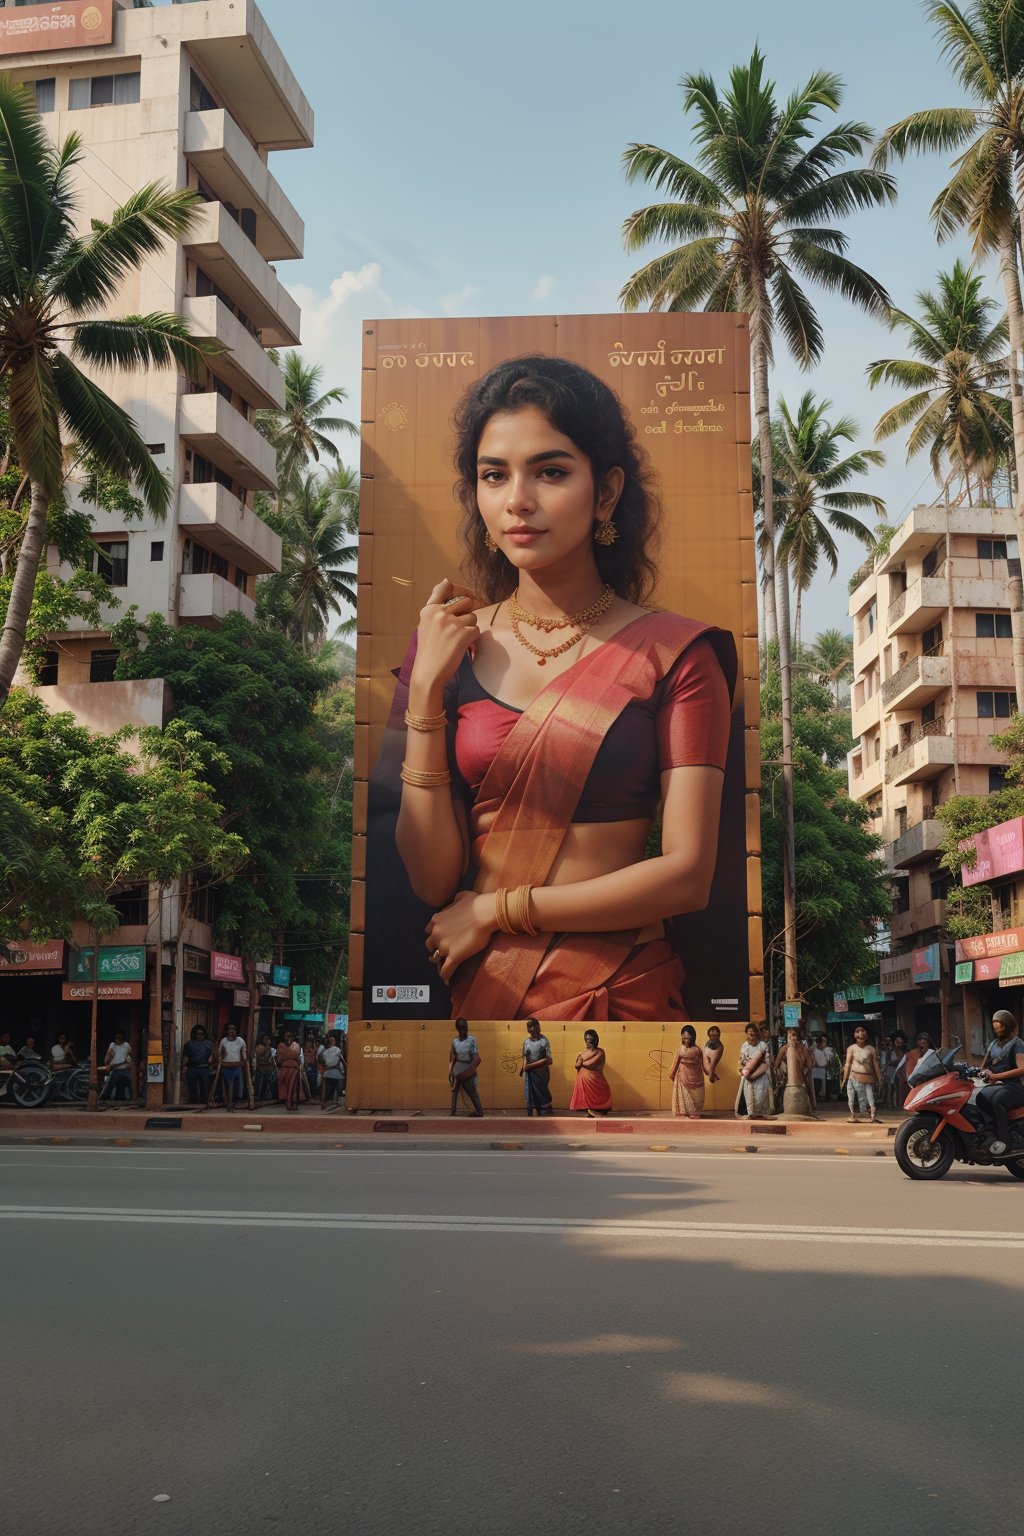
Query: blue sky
<point x="467" y="161"/>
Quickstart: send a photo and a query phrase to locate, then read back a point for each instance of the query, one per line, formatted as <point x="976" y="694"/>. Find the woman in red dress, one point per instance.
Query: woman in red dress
<point x="590" y="1091"/>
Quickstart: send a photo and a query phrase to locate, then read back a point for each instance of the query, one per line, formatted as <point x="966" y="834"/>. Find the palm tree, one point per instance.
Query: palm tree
<point x="959" y="353"/>
<point x="298" y="431"/>
<point x="53" y="283"/>
<point x="983" y="43"/>
<point x="753" y="217"/>
<point x="831" y="657"/>
<point x="316" y="574"/>
<point x="811" y="472"/>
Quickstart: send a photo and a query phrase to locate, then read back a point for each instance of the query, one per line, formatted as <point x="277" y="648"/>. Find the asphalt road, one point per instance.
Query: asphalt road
<point x="421" y="1340"/>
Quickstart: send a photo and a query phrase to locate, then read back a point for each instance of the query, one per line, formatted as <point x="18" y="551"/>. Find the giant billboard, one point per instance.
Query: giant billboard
<point x="682" y="385"/>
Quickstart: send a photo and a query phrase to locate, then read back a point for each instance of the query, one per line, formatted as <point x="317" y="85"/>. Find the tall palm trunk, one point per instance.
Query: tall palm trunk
<point x="12" y="642"/>
<point x="1010" y="274"/>
<point x="759" y="360"/>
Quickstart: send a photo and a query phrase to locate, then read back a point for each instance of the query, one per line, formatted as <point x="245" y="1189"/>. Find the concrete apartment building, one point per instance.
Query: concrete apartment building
<point x="933" y="681"/>
<point x="198" y="95"/>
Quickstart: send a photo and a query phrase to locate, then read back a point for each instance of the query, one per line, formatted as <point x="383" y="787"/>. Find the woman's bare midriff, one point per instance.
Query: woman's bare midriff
<point x="593" y="848"/>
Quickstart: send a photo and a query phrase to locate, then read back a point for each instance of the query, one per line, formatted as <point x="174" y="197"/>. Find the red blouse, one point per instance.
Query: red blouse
<point x="683" y="724"/>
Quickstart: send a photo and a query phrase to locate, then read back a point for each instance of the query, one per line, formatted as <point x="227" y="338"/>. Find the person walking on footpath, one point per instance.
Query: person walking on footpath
<point x="231" y="1064"/>
<point x="332" y="1070"/>
<point x="823" y="1055"/>
<point x="536" y="1070"/>
<point x="687" y="1075"/>
<point x="1003" y="1071"/>
<point x="755" y="1088"/>
<point x="463" y="1064"/>
<point x="861" y="1076"/>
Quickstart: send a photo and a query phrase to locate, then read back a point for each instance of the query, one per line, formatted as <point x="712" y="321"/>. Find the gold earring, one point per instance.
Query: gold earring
<point x="605" y="533"/>
<point x="492" y="548"/>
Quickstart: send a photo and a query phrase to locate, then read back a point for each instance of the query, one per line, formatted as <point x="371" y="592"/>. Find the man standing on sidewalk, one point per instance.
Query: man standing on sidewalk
<point x="463" y="1061"/>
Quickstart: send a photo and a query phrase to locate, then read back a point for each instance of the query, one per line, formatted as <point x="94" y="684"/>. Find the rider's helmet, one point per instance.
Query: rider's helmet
<point x="1004" y="1016"/>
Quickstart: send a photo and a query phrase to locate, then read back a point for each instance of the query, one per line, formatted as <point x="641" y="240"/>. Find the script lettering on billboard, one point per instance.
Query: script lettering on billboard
<point x="64" y="24"/>
<point x="226" y="967"/>
<point x="999" y="850"/>
<point x="27" y="956"/>
<point x="1005" y="942"/>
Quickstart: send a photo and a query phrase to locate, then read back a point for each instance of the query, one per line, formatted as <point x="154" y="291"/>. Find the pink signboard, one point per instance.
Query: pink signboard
<point x="1006" y="942"/>
<point x="1000" y="852"/>
<point x="226" y="967"/>
<point x="987" y="970"/>
<point x="26" y="956"/>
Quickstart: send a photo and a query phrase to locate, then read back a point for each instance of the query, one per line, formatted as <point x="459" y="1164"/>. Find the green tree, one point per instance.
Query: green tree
<point x="252" y="695"/>
<point x="318" y="558"/>
<point x="983" y="44"/>
<point x="755" y="215"/>
<point x="842" y="895"/>
<point x="53" y="284"/>
<point x="812" y="476"/>
<point x="831" y="660"/>
<point x="957" y="373"/>
<point x="298" y="432"/>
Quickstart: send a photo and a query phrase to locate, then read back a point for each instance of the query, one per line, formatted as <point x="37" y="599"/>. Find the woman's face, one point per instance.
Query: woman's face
<point x="688" y="1036"/>
<point x="535" y="491"/>
<point x="861" y="1036"/>
<point x="752" y="1033"/>
<point x="590" y="1039"/>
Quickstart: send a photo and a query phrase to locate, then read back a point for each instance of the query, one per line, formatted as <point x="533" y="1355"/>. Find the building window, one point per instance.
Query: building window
<point x="996" y="780"/>
<point x="48" y="669"/>
<point x="931" y="641"/>
<point x="991" y="549"/>
<point x="202" y="900"/>
<point x="872" y="615"/>
<point x="104" y="91"/>
<point x="930" y="561"/>
<point x="241" y="579"/>
<point x="996" y="706"/>
<point x="110" y="560"/>
<point x="197" y="560"/>
<point x="199" y="98"/>
<point x="132" y="905"/>
<point x="940" y="885"/>
<point x="156" y="549"/>
<point x="101" y="666"/>
<point x="46" y="94"/>
<point x="901" y="896"/>
<point x="928" y="713"/>
<point x="993" y="626"/>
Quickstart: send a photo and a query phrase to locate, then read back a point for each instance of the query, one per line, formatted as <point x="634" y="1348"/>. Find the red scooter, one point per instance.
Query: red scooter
<point x="946" y="1127"/>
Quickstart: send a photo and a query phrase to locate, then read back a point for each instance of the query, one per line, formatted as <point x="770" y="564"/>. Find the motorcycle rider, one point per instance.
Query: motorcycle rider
<point x="1003" y="1069"/>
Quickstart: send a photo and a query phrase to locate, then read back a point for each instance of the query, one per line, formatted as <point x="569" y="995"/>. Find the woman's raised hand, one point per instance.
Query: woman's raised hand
<point x="447" y="630"/>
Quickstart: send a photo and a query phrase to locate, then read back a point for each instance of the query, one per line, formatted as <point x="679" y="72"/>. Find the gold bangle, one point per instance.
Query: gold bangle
<point x="426" y="722"/>
<point x="424" y="780"/>
<point x="521" y="911"/>
<point x="501" y="910"/>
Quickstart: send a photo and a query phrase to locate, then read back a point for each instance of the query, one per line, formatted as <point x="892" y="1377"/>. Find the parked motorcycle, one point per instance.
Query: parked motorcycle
<point x="28" y="1085"/>
<point x="946" y="1127"/>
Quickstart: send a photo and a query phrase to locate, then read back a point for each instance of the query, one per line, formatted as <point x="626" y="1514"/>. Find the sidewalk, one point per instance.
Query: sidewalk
<point x="726" y="1133"/>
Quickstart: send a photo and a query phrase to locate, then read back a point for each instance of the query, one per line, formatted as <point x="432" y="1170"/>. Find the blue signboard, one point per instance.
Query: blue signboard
<point x="281" y="976"/>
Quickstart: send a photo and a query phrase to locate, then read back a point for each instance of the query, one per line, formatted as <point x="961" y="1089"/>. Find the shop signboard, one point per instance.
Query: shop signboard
<point x="791" y="1015"/>
<point x="1011" y="970"/>
<point x="984" y="945"/>
<point x="155" y="1069"/>
<point x="107" y="991"/>
<point x="301" y="998"/>
<point x="987" y="968"/>
<point x="1000" y="852"/>
<point x="281" y="992"/>
<point x="896" y="973"/>
<point x="964" y="971"/>
<point x="64" y="24"/>
<point x="26" y="957"/>
<point x="116" y="964"/>
<point x="926" y="964"/>
<point x="839" y="1003"/>
<point x="241" y="997"/>
<point x="226" y="967"/>
<point x="281" y="975"/>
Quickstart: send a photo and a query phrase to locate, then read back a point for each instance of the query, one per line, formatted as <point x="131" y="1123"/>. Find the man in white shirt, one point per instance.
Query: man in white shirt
<point x="232" y="1060"/>
<point x="823" y="1055"/>
<point x="118" y="1064"/>
<point x="332" y="1070"/>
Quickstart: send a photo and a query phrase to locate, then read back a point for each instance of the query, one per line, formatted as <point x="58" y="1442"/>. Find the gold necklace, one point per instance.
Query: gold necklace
<point x="581" y="623"/>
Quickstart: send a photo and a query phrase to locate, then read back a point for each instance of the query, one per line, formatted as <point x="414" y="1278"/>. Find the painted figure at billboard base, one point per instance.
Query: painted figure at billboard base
<point x="548" y="717"/>
<point x="591" y="1094"/>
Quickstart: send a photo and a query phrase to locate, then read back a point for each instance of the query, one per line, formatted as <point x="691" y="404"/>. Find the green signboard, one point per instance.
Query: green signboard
<point x="300" y="999"/>
<point x="1012" y="965"/>
<point x="964" y="971"/>
<point x="116" y="964"/>
<point x="791" y="1015"/>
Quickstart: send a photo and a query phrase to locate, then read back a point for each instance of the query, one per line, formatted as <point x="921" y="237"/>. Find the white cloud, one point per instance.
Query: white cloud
<point x="454" y="304"/>
<point x="543" y="288"/>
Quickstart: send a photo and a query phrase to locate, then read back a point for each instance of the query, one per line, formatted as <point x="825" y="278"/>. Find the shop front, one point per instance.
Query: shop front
<point x="989" y="975"/>
<point x="30" y="993"/>
<point x="121" y="989"/>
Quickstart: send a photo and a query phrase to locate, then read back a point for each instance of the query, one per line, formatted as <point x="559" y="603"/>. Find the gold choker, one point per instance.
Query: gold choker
<point x="581" y="623"/>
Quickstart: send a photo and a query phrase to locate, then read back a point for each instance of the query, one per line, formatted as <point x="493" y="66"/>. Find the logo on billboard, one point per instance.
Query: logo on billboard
<point x="395" y="994"/>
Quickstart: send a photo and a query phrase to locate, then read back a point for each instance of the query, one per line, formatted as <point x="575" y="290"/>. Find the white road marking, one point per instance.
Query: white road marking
<point x="541" y="1226"/>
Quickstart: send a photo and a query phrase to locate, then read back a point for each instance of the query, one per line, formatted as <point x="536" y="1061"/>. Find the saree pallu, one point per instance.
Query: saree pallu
<point x="591" y="1091"/>
<point x="687" y="1098"/>
<point x="519" y="820"/>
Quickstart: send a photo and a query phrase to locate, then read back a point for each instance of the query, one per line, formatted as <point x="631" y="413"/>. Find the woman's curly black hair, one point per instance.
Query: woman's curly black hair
<point x="584" y="409"/>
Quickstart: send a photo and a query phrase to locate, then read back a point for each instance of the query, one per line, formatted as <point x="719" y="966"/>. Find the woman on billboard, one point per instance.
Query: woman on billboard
<point x="549" y="715"/>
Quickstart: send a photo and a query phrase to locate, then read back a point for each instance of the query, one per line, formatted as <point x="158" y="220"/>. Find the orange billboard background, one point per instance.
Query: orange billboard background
<point x="65" y="24"/>
<point x="684" y="380"/>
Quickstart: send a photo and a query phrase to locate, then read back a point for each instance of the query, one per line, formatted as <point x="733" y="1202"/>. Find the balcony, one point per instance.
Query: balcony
<point x="231" y="260"/>
<point x="928" y="754"/>
<point x="917" y="843"/>
<point x="223" y="524"/>
<point x="245" y="365"/>
<point x="236" y="50"/>
<point x="208" y="599"/>
<point x="227" y="162"/>
<point x="919" y="920"/>
<point x="865" y="779"/>
<point x="221" y="434"/>
<point x="924" y="601"/>
<point x="106" y="707"/>
<point x="917" y="682"/>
